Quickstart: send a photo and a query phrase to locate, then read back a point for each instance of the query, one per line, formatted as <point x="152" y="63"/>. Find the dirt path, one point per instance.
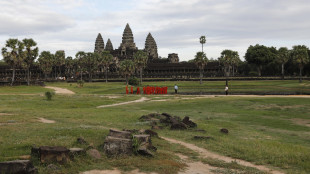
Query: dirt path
<point x="114" y="171"/>
<point x="205" y="153"/>
<point x="60" y="90"/>
<point x="195" y="167"/>
<point x="43" y="120"/>
<point x="142" y="99"/>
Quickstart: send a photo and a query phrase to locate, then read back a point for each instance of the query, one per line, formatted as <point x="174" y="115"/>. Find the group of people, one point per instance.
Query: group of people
<point x="157" y="90"/>
<point x="148" y="90"/>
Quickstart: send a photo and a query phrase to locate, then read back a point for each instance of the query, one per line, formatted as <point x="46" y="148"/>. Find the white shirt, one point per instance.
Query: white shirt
<point x="176" y="87"/>
<point x="226" y="88"/>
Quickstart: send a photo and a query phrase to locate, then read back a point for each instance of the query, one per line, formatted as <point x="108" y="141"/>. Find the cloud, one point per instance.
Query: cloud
<point x="176" y="25"/>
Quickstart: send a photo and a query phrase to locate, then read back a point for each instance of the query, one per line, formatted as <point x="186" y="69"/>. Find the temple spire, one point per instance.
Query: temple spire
<point x="99" y="44"/>
<point x="127" y="39"/>
<point x="109" y="46"/>
<point x="151" y="46"/>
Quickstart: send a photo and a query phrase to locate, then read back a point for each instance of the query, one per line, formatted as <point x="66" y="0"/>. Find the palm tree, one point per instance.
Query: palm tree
<point x="80" y="56"/>
<point x="202" y="41"/>
<point x="283" y="57"/>
<point x="90" y="62"/>
<point x="140" y="59"/>
<point x="60" y="59"/>
<point x="46" y="62"/>
<point x="301" y="57"/>
<point x="127" y="68"/>
<point x="13" y="54"/>
<point x="69" y="63"/>
<point x="105" y="59"/>
<point x="31" y="54"/>
<point x="226" y="58"/>
<point x="201" y="61"/>
<point x="235" y="61"/>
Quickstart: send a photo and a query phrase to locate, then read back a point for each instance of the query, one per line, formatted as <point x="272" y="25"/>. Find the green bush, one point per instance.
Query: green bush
<point x="133" y="81"/>
<point x="49" y="95"/>
<point x="80" y="83"/>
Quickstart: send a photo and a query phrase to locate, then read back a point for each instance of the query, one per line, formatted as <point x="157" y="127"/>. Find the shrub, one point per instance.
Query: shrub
<point x="49" y="95"/>
<point x="133" y="81"/>
<point x="80" y="83"/>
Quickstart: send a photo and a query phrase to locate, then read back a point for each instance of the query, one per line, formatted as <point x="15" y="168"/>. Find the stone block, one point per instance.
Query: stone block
<point x="120" y="134"/>
<point x="17" y="167"/>
<point x="54" y="154"/>
<point x="114" y="146"/>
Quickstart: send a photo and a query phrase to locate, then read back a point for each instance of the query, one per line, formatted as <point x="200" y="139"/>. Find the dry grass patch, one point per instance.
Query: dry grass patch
<point x="302" y="122"/>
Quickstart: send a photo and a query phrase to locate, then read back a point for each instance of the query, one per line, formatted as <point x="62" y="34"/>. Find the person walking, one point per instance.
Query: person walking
<point x="226" y="90"/>
<point x="176" y="88"/>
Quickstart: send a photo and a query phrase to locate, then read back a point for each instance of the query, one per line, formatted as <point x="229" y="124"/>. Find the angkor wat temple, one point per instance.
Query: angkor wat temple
<point x="157" y="67"/>
<point x="163" y="68"/>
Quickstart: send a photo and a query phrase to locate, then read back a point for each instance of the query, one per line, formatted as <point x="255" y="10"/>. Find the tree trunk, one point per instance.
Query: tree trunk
<point x="81" y="76"/>
<point x="126" y="79"/>
<point x="233" y="71"/>
<point x="200" y="76"/>
<point x="202" y="47"/>
<point x="282" y="72"/>
<point x="28" y="76"/>
<point x="13" y="78"/>
<point x="106" y="75"/>
<point x="300" y="74"/>
<point x="141" y="71"/>
<point x="89" y="76"/>
<point x="59" y="75"/>
<point x="259" y="68"/>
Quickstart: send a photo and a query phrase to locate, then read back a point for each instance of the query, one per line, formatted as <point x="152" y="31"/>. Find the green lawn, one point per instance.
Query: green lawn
<point x="217" y="87"/>
<point x="264" y="130"/>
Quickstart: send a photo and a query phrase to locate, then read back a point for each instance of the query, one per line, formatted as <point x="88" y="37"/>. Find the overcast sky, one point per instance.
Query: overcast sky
<point x="176" y="25"/>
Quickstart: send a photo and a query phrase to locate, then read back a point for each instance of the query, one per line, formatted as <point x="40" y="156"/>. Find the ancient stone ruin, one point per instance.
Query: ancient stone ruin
<point x="17" y="167"/>
<point x="99" y="44"/>
<point x="125" y="143"/>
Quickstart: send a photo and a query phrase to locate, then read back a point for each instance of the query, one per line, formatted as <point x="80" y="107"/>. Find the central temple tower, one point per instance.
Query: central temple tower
<point x="127" y="41"/>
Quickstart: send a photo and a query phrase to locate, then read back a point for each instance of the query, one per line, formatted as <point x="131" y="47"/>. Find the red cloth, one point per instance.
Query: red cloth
<point x="144" y="90"/>
<point x="138" y="90"/>
<point x="131" y="90"/>
<point x="126" y="89"/>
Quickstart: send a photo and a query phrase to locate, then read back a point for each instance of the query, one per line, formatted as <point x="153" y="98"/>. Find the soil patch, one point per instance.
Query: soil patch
<point x="43" y="120"/>
<point x="195" y="167"/>
<point x="271" y="106"/>
<point x="205" y="154"/>
<point x="4" y="114"/>
<point x="142" y="99"/>
<point x="302" y="122"/>
<point x="114" y="171"/>
<point x="60" y="90"/>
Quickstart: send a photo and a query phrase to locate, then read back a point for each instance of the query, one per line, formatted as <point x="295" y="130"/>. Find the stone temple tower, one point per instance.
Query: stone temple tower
<point x="99" y="44"/>
<point x="127" y="41"/>
<point x="151" y="47"/>
<point x="109" y="46"/>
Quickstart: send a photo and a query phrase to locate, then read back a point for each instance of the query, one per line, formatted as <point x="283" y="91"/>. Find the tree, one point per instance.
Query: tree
<point x="69" y="64"/>
<point x="105" y="59"/>
<point x="60" y="59"/>
<point x="201" y="61"/>
<point x="282" y="57"/>
<point x="235" y="61"/>
<point x="13" y="54"/>
<point x="140" y="60"/>
<point x="202" y="41"/>
<point x="127" y="68"/>
<point x="259" y="55"/>
<point x="229" y="59"/>
<point x="91" y="63"/>
<point x="46" y="62"/>
<point x="301" y="57"/>
<point x="31" y="53"/>
<point x="80" y="56"/>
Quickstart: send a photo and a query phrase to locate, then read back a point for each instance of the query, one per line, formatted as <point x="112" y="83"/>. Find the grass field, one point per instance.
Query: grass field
<point x="185" y="87"/>
<point x="270" y="131"/>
